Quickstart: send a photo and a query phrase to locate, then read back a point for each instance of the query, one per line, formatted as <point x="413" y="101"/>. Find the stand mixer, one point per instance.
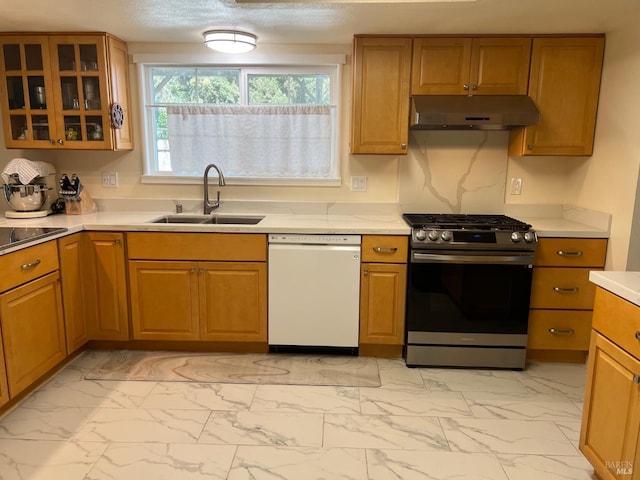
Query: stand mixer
<point x="26" y="189"/>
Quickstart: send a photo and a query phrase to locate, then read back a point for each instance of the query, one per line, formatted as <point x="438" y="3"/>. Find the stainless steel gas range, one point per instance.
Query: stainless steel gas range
<point x="468" y="290"/>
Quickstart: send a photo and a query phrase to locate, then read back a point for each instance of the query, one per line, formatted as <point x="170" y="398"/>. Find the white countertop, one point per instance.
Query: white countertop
<point x="562" y="227"/>
<point x="623" y="284"/>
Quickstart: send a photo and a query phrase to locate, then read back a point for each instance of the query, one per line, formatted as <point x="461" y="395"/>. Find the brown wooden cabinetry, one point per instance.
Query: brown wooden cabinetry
<point x="382" y="294"/>
<point x="470" y="66"/>
<point x="562" y="297"/>
<point x="564" y="84"/>
<point x="381" y="77"/>
<point x="31" y="316"/>
<point x="198" y="286"/>
<point x="609" y="437"/>
<point x="105" y="280"/>
<point x="58" y="90"/>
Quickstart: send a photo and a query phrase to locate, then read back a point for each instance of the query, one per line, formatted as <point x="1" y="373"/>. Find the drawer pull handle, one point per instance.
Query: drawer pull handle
<point x="566" y="290"/>
<point x="385" y="249"/>
<point x="561" y="331"/>
<point x="27" y="266"/>
<point x="569" y="253"/>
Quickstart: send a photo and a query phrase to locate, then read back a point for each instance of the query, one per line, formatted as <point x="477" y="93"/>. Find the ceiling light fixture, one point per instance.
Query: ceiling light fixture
<point x="229" y="41"/>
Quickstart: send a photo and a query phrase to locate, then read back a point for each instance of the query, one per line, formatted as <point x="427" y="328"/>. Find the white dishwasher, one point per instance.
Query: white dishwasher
<point x="314" y="292"/>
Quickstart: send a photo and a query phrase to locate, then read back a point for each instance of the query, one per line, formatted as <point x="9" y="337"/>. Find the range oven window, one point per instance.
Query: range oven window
<point x="468" y="298"/>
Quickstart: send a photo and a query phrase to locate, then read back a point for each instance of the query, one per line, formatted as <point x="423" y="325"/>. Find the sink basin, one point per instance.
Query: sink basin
<point x="209" y="219"/>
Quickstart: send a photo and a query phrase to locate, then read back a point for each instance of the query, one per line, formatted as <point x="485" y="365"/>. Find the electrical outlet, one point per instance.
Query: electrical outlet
<point x="110" y="179"/>
<point x="358" y="184"/>
<point x="516" y="186"/>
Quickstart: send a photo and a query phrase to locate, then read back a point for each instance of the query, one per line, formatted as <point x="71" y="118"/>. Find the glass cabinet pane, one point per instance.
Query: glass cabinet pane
<point x="12" y="57"/>
<point x="33" y="56"/>
<point x="19" y="127"/>
<point x="69" y="88"/>
<point x="40" y="124"/>
<point x="66" y="58"/>
<point x="15" y="92"/>
<point x="89" y="57"/>
<point x="94" y="128"/>
<point x="72" y="128"/>
<point x="37" y="94"/>
<point x="91" y="92"/>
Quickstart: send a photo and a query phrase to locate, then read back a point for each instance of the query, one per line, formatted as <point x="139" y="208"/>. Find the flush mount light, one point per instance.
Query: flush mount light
<point x="229" y="41"/>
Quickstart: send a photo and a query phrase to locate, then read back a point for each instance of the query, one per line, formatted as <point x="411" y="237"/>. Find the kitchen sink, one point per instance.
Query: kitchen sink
<point x="209" y="219"/>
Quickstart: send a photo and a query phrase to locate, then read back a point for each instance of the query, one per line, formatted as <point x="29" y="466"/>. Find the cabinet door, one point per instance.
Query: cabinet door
<point x="4" y="388"/>
<point x="71" y="252"/>
<point x="164" y="300"/>
<point x="79" y="71"/>
<point x="26" y="92"/>
<point x="119" y="77"/>
<point x="611" y="413"/>
<point x="564" y="84"/>
<point x="381" y="77"/>
<point x="107" y="289"/>
<point x="500" y="66"/>
<point x="441" y="66"/>
<point x="32" y="330"/>
<point x="233" y="301"/>
<point x="382" y="301"/>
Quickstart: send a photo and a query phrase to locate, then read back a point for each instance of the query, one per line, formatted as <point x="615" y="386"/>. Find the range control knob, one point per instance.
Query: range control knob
<point x="433" y="235"/>
<point x="446" y="236"/>
<point x="421" y="235"/>
<point x="529" y="237"/>
<point x="516" y="237"/>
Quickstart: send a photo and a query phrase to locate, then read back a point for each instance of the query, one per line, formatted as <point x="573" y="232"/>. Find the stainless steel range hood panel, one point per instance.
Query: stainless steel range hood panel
<point x="479" y="112"/>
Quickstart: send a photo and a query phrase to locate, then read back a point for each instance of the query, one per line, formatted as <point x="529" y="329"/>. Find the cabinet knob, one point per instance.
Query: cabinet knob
<point x="403" y="146"/>
<point x="636" y="378"/>
<point x="529" y="147"/>
<point x="366" y="271"/>
<point x="474" y="87"/>
<point x="638" y="336"/>
<point x="52" y="141"/>
<point x="60" y="142"/>
<point x="192" y="270"/>
<point x="465" y="86"/>
<point x="117" y="241"/>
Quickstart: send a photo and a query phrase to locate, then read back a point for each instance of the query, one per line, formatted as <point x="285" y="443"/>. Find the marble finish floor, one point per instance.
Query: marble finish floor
<point x="261" y="368"/>
<point x="419" y="424"/>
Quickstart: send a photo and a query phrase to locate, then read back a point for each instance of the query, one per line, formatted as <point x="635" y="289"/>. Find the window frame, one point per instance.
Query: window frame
<point x="331" y="64"/>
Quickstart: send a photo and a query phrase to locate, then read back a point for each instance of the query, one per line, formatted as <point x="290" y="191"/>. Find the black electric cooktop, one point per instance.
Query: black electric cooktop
<point x="12" y="236"/>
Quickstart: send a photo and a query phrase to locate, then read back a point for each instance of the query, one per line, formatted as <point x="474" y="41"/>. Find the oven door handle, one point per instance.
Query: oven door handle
<point x="417" y="257"/>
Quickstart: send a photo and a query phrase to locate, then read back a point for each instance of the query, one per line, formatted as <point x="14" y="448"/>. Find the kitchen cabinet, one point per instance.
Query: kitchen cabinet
<point x="68" y="91"/>
<point x="71" y="251"/>
<point x="104" y="273"/>
<point x="381" y="78"/>
<point x="562" y="297"/>
<point x="564" y="84"/>
<point x="470" y="66"/>
<point x="383" y="286"/>
<point x="31" y="315"/>
<point x="609" y="436"/>
<point x="210" y="287"/>
<point x="4" y="388"/>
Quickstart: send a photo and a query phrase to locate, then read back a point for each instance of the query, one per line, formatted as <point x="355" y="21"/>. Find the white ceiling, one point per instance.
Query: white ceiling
<point x="313" y="23"/>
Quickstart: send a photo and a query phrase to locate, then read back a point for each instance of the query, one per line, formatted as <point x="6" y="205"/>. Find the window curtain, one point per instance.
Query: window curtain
<point x="273" y="141"/>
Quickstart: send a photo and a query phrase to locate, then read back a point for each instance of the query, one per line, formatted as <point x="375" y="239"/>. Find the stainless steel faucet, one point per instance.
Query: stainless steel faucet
<point x="208" y="206"/>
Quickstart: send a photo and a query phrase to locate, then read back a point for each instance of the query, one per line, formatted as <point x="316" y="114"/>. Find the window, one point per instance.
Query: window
<point x="259" y="124"/>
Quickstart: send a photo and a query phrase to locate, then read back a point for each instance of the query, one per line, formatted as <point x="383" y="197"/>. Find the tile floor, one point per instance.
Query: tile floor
<point x="420" y="424"/>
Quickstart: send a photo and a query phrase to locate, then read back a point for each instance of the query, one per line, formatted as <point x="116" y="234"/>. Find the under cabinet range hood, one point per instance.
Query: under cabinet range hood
<point x="478" y="112"/>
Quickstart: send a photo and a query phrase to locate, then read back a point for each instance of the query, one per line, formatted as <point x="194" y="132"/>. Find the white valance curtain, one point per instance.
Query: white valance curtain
<point x="257" y="141"/>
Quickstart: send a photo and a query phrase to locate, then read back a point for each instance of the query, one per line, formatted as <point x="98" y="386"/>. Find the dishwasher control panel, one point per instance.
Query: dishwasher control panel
<point x="311" y="239"/>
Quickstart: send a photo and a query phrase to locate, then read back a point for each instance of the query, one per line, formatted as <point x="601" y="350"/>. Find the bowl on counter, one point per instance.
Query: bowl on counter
<point x="25" y="198"/>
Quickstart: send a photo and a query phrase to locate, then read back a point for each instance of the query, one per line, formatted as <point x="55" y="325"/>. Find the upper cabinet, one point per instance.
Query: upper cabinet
<point x="381" y="73"/>
<point x="65" y="91"/>
<point x="564" y="84"/>
<point x="470" y="66"/>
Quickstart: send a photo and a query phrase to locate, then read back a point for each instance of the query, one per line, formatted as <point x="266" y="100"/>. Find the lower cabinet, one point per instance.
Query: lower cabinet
<point x="210" y="287"/>
<point x="4" y="389"/>
<point x="383" y="285"/>
<point x="32" y="330"/>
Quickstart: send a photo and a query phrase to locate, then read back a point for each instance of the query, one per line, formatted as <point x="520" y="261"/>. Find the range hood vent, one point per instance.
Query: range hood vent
<point x="478" y="112"/>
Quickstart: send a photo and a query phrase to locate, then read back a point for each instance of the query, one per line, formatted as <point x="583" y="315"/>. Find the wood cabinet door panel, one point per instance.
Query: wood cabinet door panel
<point x="4" y="388"/>
<point x="611" y="413"/>
<point x="381" y="77"/>
<point x="164" y="300"/>
<point x="382" y="303"/>
<point x="32" y="330"/>
<point x="618" y="320"/>
<point x="500" y="66"/>
<point x="233" y="301"/>
<point x="440" y="66"/>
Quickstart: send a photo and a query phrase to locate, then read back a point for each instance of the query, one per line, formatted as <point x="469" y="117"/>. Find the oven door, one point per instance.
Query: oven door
<point x="469" y="292"/>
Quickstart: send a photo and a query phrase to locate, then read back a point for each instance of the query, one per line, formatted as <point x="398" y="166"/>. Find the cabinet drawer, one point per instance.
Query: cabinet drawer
<point x="384" y="248"/>
<point x="27" y="264"/>
<point x="571" y="252"/>
<point x="618" y="320"/>
<point x="243" y="247"/>
<point x="562" y="288"/>
<point x="559" y="329"/>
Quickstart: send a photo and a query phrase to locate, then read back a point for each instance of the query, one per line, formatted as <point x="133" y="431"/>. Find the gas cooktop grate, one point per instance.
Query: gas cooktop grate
<point x="452" y="221"/>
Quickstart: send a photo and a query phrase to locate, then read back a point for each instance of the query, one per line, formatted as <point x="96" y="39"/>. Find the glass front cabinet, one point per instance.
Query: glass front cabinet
<point x="65" y="91"/>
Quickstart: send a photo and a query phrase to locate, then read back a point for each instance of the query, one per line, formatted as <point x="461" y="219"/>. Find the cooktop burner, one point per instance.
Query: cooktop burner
<point x="453" y="221"/>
